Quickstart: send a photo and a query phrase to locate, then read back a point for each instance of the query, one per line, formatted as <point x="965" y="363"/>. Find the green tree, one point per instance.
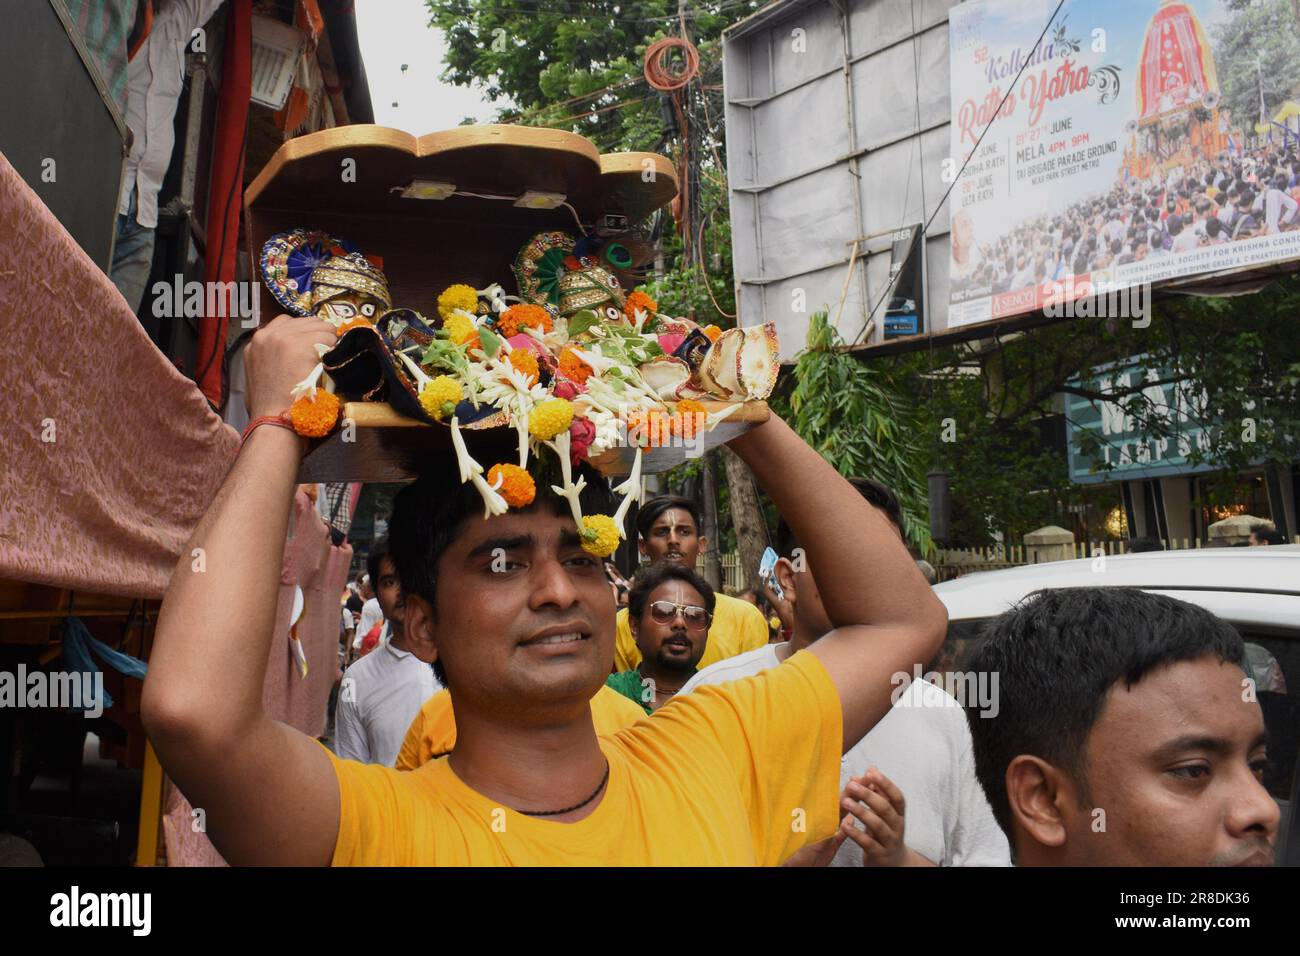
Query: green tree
<point x="578" y="65"/>
<point x="861" y="421"/>
<point x="988" y="408"/>
<point x="1258" y="44"/>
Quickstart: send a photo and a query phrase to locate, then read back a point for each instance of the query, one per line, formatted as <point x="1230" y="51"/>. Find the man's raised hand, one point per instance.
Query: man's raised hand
<point x="282" y="354"/>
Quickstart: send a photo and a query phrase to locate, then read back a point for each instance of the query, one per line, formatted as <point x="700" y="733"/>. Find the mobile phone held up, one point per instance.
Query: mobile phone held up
<point x="767" y="571"/>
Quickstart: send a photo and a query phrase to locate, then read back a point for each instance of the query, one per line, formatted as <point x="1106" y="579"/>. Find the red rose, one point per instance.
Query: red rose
<point x="581" y="434"/>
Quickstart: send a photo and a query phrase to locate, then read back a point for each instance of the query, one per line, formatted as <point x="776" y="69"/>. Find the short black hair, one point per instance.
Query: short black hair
<point x="878" y="495"/>
<point x="431" y="513"/>
<point x="653" y="575"/>
<point x="378" y="551"/>
<point x="1138" y="545"/>
<point x="1057" y="654"/>
<point x="1267" y="532"/>
<point x="649" y="512"/>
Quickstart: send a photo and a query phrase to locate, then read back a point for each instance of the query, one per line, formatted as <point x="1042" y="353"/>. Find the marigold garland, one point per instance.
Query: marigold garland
<point x="516" y="484"/>
<point x="713" y="332"/>
<point x="518" y="317"/>
<point x="649" y="427"/>
<point x="440" y="396"/>
<point x="315" y="417"/>
<point x="685" y="420"/>
<point x="526" y="363"/>
<point x="574" y="368"/>
<point x="639" y="300"/>
<point x="458" y="296"/>
<point x="549" y="418"/>
<point x="599" y="535"/>
<point x="460" y="328"/>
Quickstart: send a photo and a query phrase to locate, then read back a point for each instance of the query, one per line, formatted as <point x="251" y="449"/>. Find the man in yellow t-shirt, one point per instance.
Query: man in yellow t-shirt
<point x="433" y="732"/>
<point x="668" y="529"/>
<point x="520" y="618"/>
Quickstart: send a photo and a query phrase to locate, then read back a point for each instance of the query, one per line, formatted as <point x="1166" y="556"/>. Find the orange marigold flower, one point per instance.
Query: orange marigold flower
<point x="649" y="427"/>
<point x="574" y="368"/>
<point x="713" y="332"/>
<point x="637" y="299"/>
<point x="315" y="417"/>
<point x="687" y="417"/>
<point x="514" y="319"/>
<point x="517" y="485"/>
<point x="526" y="362"/>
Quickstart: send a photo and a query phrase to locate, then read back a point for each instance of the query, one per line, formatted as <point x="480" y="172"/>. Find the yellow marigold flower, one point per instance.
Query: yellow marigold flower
<point x="514" y="319"/>
<point x="461" y="328"/>
<point x="639" y="300"/>
<point x="440" y="395"/>
<point x="574" y="368"/>
<point x="517" y="485"/>
<point x="599" y="535"/>
<point x="526" y="362"/>
<point x="686" y="419"/>
<point x="550" y="418"/>
<point x="458" y="296"/>
<point x="315" y="417"/>
<point x="713" y="332"/>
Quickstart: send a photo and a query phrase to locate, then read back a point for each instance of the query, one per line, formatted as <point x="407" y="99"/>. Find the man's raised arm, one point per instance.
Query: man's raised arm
<point x="886" y="617"/>
<point x="267" y="791"/>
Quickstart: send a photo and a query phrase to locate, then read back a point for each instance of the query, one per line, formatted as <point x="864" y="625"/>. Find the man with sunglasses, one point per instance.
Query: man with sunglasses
<point x="669" y="609"/>
<point x="668" y="529"/>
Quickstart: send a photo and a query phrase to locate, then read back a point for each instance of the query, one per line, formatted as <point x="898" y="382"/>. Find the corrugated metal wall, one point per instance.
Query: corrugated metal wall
<point x="815" y="163"/>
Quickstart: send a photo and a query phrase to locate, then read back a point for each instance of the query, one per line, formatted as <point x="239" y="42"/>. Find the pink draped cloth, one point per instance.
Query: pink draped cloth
<point x="108" y="455"/>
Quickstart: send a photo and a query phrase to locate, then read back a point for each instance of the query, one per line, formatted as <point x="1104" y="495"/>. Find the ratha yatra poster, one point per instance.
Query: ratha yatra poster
<point x="1140" y="142"/>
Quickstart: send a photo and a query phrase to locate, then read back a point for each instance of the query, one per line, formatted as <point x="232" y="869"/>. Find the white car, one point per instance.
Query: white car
<point x="1257" y="590"/>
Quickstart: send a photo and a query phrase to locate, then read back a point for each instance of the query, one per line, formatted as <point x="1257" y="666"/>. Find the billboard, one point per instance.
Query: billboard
<point x="1106" y="445"/>
<point x="1141" y="141"/>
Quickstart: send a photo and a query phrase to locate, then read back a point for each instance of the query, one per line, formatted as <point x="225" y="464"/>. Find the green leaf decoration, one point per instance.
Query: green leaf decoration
<point x="490" y="340"/>
<point x="581" y="322"/>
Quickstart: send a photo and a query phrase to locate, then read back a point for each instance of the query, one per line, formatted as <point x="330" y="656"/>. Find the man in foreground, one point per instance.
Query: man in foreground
<point x="1128" y="734"/>
<point x="668" y="529"/>
<point x="432" y="733"/>
<point x="520" y="619"/>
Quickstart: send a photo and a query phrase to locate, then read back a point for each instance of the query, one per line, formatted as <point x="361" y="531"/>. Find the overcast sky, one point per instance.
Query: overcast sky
<point x="393" y="32"/>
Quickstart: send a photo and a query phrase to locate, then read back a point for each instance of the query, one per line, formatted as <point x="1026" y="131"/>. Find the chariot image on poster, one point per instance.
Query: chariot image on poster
<point x="1139" y="143"/>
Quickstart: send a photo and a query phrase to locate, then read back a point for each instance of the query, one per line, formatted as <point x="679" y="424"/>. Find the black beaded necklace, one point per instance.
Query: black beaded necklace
<point x="576" y="806"/>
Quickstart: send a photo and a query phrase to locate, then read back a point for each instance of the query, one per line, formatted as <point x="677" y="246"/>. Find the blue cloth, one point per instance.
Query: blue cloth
<point x="78" y="642"/>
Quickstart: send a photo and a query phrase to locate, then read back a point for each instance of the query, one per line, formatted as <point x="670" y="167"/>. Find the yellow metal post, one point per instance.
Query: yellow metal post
<point x="151" y="790"/>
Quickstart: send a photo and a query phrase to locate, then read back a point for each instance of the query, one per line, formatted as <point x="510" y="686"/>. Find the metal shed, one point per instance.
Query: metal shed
<point x="837" y="117"/>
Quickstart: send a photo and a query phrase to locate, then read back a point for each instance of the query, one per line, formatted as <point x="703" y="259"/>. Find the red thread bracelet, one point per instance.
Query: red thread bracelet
<point x="281" y="420"/>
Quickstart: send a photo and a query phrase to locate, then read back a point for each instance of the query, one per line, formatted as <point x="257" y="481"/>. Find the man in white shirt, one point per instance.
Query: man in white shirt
<point x="923" y="744"/>
<point x="381" y="693"/>
<point x="371" y="612"/>
<point x="155" y="77"/>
